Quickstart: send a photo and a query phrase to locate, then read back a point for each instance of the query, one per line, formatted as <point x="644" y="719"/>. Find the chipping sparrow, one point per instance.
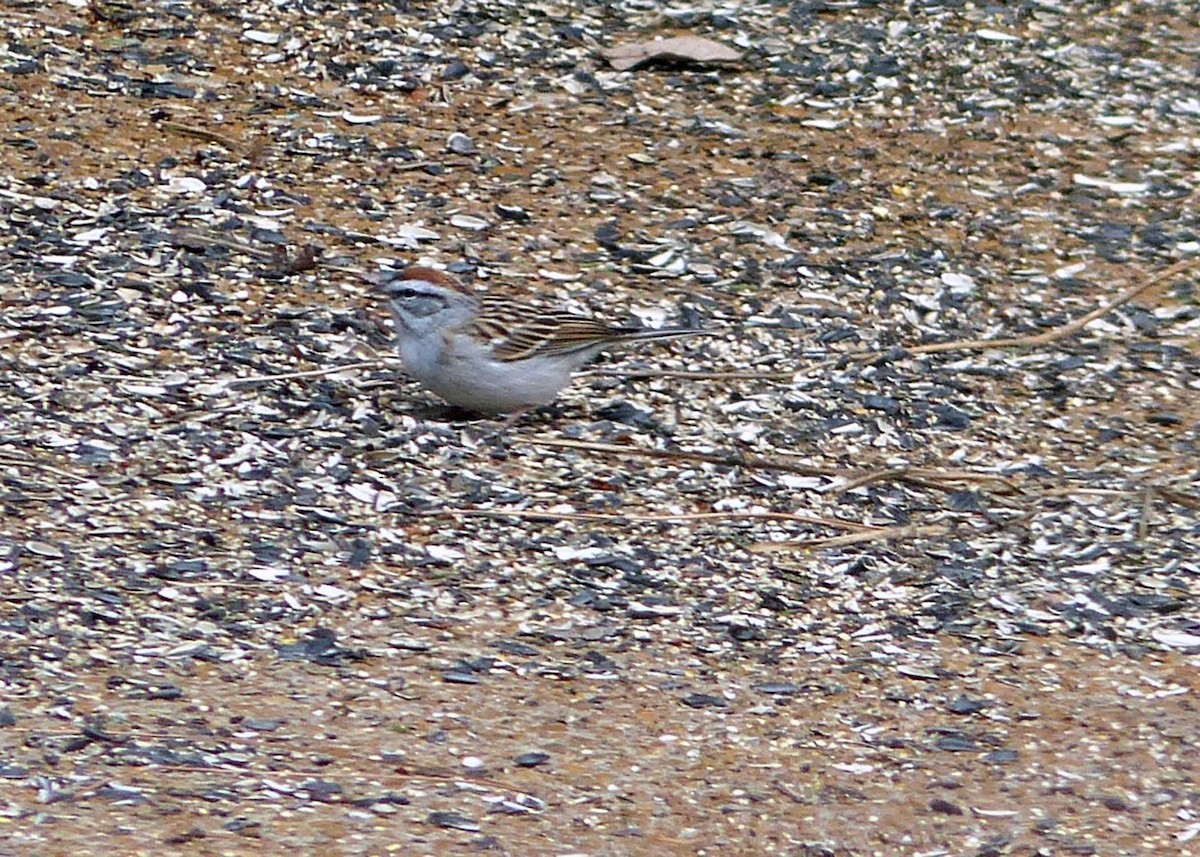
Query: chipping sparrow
<point x="489" y="353"/>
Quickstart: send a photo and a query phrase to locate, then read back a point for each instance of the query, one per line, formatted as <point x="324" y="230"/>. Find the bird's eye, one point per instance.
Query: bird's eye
<point x="407" y="293"/>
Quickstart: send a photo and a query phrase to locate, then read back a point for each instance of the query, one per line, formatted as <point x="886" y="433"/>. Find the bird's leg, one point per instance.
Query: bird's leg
<point x="514" y="418"/>
<point x="497" y="435"/>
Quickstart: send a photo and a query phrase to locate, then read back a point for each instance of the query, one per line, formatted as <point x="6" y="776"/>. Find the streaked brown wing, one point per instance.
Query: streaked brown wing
<point x="520" y="332"/>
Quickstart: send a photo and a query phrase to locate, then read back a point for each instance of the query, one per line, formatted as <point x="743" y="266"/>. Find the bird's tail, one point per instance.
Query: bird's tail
<point x="634" y="334"/>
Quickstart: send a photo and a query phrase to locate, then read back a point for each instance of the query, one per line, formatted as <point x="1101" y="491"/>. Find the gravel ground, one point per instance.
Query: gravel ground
<point x="902" y="561"/>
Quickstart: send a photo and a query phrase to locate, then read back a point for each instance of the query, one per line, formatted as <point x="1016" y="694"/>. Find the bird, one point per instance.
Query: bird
<point x="492" y="354"/>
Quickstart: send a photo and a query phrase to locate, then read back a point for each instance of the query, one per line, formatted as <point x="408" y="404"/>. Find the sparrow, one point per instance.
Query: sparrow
<point x="489" y="353"/>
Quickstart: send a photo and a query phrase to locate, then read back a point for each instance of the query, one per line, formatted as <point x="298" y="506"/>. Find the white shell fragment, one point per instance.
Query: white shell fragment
<point x="958" y="284"/>
<point x="262" y="37"/>
<point x="361" y="118"/>
<point x="996" y="36"/>
<point x="1176" y="639"/>
<point x="469" y="222"/>
<point x="186" y="184"/>
<point x="410" y="235"/>
<point x="1117" y="187"/>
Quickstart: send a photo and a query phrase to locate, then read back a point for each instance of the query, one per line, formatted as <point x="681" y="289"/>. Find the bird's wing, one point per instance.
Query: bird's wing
<point x="519" y="332"/>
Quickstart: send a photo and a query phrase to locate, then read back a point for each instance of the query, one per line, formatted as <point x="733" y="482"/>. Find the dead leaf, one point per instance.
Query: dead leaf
<point x="695" y="49"/>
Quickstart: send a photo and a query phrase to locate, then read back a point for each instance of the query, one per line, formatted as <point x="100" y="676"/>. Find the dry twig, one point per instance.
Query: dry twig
<point x="195" y="238"/>
<point x="921" y="476"/>
<point x="1048" y="336"/>
<point x="306" y="373"/>
<point x="876" y="535"/>
<point x="694" y="376"/>
<point x="198" y="133"/>
<point x="726" y="459"/>
<point x="624" y="517"/>
<point x="8" y="461"/>
<point x="927" y="477"/>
